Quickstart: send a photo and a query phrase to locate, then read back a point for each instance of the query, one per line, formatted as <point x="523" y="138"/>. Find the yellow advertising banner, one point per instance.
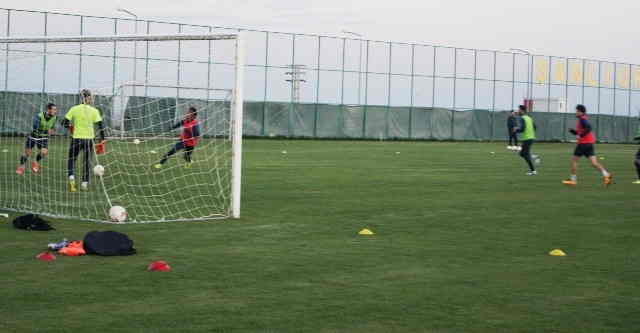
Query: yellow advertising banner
<point x="636" y="78"/>
<point x="542" y="71"/>
<point x="560" y="72"/>
<point x="591" y="75"/>
<point x="576" y="74"/>
<point x="622" y="76"/>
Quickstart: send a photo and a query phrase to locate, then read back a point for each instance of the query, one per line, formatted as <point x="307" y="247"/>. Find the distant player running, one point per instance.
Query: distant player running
<point x="81" y="121"/>
<point x="586" y="140"/>
<point x="637" y="161"/>
<point x="527" y="131"/>
<point x="188" y="138"/>
<point x="43" y="125"/>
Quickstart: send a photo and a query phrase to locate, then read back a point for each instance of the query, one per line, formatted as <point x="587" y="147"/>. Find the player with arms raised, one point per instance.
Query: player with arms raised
<point x="188" y="138"/>
<point x="81" y="121"/>
<point x="586" y="140"/>
<point x="43" y="126"/>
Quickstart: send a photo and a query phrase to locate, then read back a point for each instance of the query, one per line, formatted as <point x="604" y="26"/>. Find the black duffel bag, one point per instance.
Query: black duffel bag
<point x="108" y="243"/>
<point x="31" y="222"/>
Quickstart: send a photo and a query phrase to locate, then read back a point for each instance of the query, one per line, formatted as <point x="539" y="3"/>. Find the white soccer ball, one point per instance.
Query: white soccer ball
<point x="536" y="159"/>
<point x="98" y="170"/>
<point x="136" y="141"/>
<point x="118" y="214"/>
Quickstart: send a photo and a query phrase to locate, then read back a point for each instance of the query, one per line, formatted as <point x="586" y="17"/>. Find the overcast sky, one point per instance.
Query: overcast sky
<point x="593" y="29"/>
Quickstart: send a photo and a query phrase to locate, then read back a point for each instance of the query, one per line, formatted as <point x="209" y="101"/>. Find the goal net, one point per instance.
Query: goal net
<point x="172" y="149"/>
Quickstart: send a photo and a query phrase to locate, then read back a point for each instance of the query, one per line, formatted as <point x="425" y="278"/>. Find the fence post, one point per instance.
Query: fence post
<point x="266" y="84"/>
<point x="293" y="101"/>
<point x="599" y="89"/>
<point x="80" y="54"/>
<point x="44" y="64"/>
<point x="475" y="77"/>
<point x="366" y="94"/>
<point x="433" y="93"/>
<point x="629" y="104"/>
<point x="513" y="80"/>
<point x="566" y="94"/>
<point x="493" y="96"/>
<point x="455" y="81"/>
<point x="615" y="85"/>
<point x="413" y="56"/>
<point x="115" y="49"/>
<point x="146" y="63"/>
<point x="209" y="45"/>
<point x="6" y="71"/>
<point x="315" y="114"/>
<point x="547" y="122"/>
<point x="179" y="79"/>
<point x="388" y="115"/>
<point x="340" y="129"/>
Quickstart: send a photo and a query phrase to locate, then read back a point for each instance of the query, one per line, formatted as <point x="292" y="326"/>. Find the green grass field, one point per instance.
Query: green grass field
<point x="461" y="244"/>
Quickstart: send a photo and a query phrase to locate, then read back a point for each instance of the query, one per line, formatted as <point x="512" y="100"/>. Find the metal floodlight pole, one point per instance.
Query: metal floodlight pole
<point x="360" y="36"/>
<point x="135" y="46"/>
<point x="529" y="70"/>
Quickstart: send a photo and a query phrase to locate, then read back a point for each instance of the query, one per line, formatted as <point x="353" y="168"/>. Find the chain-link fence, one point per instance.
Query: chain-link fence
<point x="303" y="85"/>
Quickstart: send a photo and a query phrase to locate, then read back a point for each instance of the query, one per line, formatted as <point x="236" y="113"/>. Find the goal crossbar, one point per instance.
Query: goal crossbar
<point x="116" y="38"/>
<point x="173" y="87"/>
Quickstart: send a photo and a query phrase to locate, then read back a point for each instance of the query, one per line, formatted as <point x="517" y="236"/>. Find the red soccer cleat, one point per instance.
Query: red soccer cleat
<point x="35" y="167"/>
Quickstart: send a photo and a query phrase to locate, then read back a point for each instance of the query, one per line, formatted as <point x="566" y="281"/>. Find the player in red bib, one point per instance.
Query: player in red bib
<point x="586" y="140"/>
<point x="188" y="138"/>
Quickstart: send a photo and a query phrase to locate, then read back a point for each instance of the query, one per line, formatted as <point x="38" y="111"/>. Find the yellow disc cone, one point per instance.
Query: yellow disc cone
<point x="366" y="232"/>
<point x="557" y="253"/>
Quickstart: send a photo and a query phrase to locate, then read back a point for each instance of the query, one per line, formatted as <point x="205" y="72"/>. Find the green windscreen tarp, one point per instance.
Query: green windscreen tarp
<point x="281" y="119"/>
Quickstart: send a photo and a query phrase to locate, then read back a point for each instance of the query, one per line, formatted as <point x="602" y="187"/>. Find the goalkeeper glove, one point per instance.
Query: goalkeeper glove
<point x="574" y="132"/>
<point x="100" y="147"/>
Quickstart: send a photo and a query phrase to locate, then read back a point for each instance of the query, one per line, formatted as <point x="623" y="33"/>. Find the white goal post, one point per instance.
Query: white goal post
<point x="234" y="105"/>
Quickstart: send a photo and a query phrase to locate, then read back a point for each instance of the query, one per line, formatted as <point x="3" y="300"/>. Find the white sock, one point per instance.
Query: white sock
<point x="574" y="178"/>
<point x="72" y="177"/>
<point x="605" y="173"/>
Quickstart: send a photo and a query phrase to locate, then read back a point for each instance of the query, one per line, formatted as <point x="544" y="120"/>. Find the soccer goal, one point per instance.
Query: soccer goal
<point x="173" y="138"/>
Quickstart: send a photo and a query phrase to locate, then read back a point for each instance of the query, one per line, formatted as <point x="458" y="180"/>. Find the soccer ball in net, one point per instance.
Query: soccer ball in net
<point x="117" y="214"/>
<point x="98" y="170"/>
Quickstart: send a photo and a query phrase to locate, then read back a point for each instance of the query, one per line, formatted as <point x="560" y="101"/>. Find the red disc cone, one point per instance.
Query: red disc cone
<point x="159" y="266"/>
<point x="46" y="256"/>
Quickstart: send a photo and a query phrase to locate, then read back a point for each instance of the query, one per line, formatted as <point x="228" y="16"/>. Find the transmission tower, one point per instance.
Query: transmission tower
<point x="296" y="76"/>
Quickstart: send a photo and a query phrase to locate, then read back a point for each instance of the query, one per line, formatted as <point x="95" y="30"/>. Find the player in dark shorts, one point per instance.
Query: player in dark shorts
<point x="81" y="121"/>
<point x="527" y="131"/>
<point x="512" y="124"/>
<point x="585" y="148"/>
<point x="43" y="125"/>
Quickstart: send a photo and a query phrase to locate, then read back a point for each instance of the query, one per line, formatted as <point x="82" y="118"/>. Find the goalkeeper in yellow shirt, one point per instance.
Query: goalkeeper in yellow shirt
<point x="81" y="120"/>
